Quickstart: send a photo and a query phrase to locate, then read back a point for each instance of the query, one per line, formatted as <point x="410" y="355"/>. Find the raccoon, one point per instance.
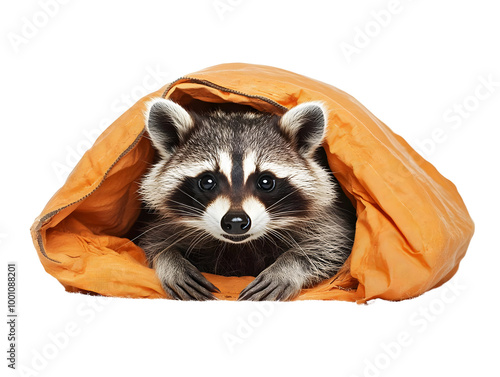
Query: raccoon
<point x="242" y="193"/>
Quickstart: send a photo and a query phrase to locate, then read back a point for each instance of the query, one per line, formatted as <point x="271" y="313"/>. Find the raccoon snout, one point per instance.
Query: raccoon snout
<point x="235" y="223"/>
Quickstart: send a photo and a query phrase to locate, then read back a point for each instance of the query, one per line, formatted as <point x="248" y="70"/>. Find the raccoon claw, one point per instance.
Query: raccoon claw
<point x="270" y="287"/>
<point x="189" y="284"/>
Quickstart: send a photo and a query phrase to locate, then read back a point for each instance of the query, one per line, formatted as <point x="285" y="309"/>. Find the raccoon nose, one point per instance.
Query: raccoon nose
<point x="235" y="223"/>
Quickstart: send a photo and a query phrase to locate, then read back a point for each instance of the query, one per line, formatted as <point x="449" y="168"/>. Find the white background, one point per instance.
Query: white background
<point x="68" y="70"/>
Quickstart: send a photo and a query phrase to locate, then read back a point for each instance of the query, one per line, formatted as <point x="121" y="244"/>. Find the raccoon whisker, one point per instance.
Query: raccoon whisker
<point x="341" y="232"/>
<point x="186" y="213"/>
<point x="287" y="223"/>
<point x="271" y="239"/>
<point x="143" y="233"/>
<point x="201" y="237"/>
<point x="291" y="222"/>
<point x="197" y="239"/>
<point x="219" y="257"/>
<point x="193" y="242"/>
<point x="267" y="236"/>
<point x="192" y="223"/>
<point x="282" y="208"/>
<point x="192" y="197"/>
<point x="278" y="235"/>
<point x="298" y="247"/>
<point x="285" y="214"/>
<point x="290" y="241"/>
<point x="183" y="234"/>
<point x="164" y="250"/>
<point x="253" y="248"/>
<point x="281" y="216"/>
<point x="197" y="210"/>
<point x="278" y="201"/>
<point x="188" y="210"/>
<point x="336" y="254"/>
<point x="346" y="211"/>
<point x="199" y="213"/>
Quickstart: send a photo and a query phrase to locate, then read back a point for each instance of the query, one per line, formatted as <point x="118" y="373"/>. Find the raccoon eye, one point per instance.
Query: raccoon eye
<point x="207" y="182"/>
<point x="266" y="183"/>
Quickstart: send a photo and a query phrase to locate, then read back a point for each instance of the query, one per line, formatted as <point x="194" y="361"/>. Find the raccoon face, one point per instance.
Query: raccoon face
<point x="236" y="176"/>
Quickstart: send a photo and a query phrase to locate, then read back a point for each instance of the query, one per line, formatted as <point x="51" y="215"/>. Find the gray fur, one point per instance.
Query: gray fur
<point x="295" y="240"/>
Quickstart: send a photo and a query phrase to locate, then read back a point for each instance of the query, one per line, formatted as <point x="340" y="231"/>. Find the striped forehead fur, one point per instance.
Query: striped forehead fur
<point x="225" y="165"/>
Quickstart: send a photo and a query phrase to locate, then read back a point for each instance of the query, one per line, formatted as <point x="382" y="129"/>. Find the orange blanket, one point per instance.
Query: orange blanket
<point x="412" y="230"/>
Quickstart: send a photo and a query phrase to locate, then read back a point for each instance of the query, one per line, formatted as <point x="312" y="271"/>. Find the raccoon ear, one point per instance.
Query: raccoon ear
<point x="305" y="124"/>
<point x="168" y="125"/>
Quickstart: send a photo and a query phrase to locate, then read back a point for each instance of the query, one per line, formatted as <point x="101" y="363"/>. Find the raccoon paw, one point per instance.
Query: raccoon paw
<point x="187" y="283"/>
<point x="271" y="286"/>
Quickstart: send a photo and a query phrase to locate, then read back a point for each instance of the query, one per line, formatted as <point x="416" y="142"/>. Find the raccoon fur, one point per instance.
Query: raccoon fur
<point x="240" y="193"/>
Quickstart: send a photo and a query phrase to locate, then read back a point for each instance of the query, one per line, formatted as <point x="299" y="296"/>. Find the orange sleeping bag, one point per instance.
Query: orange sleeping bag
<point x="412" y="226"/>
